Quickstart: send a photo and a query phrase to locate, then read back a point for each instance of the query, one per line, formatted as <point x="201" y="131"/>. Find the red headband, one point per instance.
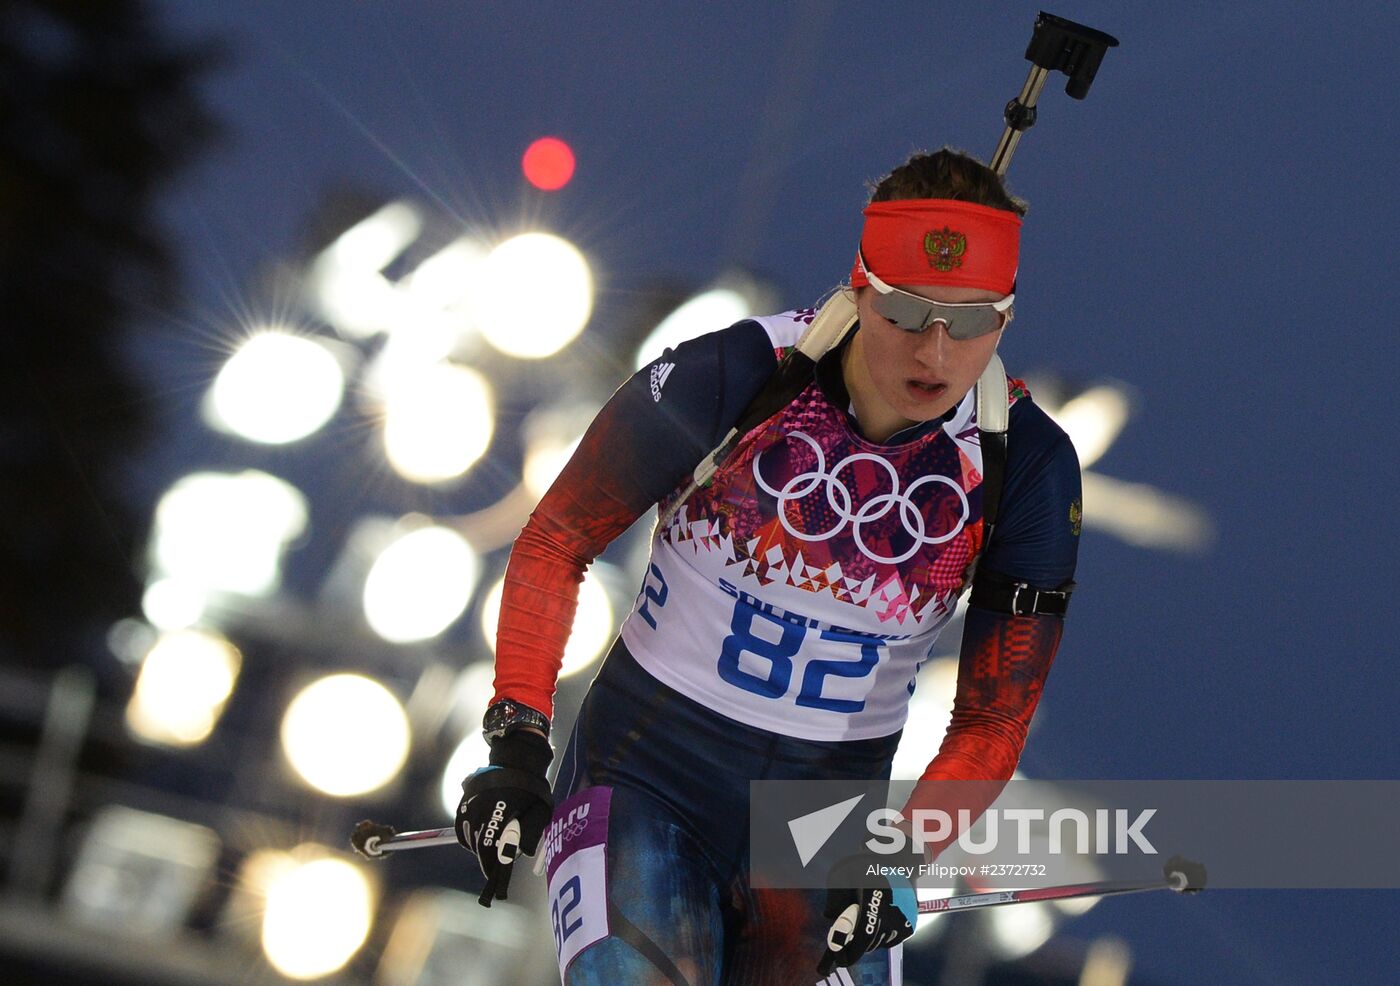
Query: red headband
<point x="940" y="241"/>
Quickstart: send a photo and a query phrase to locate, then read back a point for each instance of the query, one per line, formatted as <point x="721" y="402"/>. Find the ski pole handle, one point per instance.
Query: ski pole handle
<point x="373" y="840"/>
<point x="843" y="928"/>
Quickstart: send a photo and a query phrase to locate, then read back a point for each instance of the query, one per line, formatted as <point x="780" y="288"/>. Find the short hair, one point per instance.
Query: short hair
<point x="947" y="174"/>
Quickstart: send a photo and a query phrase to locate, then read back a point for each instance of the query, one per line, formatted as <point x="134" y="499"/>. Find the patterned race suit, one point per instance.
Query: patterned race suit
<point x="784" y="613"/>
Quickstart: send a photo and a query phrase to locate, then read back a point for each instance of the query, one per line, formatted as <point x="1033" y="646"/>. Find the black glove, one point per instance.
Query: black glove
<point x="505" y="808"/>
<point x="877" y="916"/>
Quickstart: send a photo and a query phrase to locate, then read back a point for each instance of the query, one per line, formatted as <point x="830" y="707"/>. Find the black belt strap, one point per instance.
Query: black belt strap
<point x="1002" y="595"/>
<point x="993" y="472"/>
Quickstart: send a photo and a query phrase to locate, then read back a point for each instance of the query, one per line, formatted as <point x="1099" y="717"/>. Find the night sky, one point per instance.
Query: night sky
<point x="1214" y="227"/>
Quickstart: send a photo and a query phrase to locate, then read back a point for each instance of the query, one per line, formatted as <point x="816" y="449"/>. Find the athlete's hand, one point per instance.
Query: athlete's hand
<point x="505" y="808"/>
<point x="867" y="919"/>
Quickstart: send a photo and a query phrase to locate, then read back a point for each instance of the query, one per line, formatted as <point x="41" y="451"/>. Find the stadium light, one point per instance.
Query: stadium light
<point x="438" y="421"/>
<point x="437" y="315"/>
<point x="448" y="280"/>
<point x="471" y="694"/>
<point x="472" y="752"/>
<point x="275" y="389"/>
<point x="1137" y="513"/>
<point x="1093" y="419"/>
<point x="317" y="916"/>
<point x="538" y="297"/>
<point x="173" y="604"/>
<point x="373" y="242"/>
<point x="705" y="312"/>
<point x="1015" y="932"/>
<point x="552" y="435"/>
<point x="1144" y="516"/>
<point x="227" y="532"/>
<point x="344" y="281"/>
<point x="185" y="680"/>
<point x="345" y="734"/>
<point x="242" y="914"/>
<point x="544" y="461"/>
<point x="1107" y="962"/>
<point x="420" y="584"/>
<point x="735" y="297"/>
<point x="930" y="712"/>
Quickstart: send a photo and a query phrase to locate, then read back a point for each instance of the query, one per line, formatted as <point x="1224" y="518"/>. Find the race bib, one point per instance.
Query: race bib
<point x="575" y="851"/>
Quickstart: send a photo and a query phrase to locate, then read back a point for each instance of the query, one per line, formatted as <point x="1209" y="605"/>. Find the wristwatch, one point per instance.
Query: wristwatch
<point x="507" y="715"/>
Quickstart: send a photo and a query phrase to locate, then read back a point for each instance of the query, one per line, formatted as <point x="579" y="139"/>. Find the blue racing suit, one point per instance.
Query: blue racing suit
<point x="785" y="611"/>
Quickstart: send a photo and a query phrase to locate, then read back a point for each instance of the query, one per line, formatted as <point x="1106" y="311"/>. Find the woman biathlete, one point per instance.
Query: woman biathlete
<point x="787" y="605"/>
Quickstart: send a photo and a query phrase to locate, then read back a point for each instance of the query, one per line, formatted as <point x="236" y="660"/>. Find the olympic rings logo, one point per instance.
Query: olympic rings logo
<point x="566" y="829"/>
<point x="877" y="507"/>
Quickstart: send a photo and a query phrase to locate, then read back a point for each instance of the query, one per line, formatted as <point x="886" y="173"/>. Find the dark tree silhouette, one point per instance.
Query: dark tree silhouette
<point x="98" y="113"/>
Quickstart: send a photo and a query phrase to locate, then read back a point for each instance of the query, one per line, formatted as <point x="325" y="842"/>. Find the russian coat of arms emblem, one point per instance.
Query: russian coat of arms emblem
<point x="945" y="248"/>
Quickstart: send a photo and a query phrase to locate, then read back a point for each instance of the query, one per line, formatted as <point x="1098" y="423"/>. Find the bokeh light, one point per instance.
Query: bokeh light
<point x="1144" y="516"/>
<point x="471" y="693"/>
<point x="552" y="435"/>
<point x="470" y="754"/>
<point x="1093" y="419"/>
<point x="373" y="242"/>
<point x="345" y="283"/>
<point x="438" y="421"/>
<point x="439" y="311"/>
<point x="184" y="682"/>
<point x="548" y="164"/>
<point x="276" y="388"/>
<point x="317" y="917"/>
<point x="545" y="460"/>
<point x="345" y="734"/>
<point x="227" y="531"/>
<point x="446" y="280"/>
<point x="539" y="295"/>
<point x="708" y="311"/>
<point x="172" y="604"/>
<point x="1018" y="931"/>
<point x="930" y="711"/>
<point x="358" y="304"/>
<point x="420" y="584"/>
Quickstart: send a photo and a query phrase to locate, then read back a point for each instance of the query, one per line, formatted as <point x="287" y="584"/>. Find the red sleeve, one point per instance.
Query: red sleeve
<point x="1001" y="672"/>
<point x="589" y="505"/>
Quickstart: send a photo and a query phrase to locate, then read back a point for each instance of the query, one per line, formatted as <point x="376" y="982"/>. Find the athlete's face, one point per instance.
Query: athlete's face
<point x="905" y="377"/>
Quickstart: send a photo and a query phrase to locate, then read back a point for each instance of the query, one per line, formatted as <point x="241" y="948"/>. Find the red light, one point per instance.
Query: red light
<point x="548" y="163"/>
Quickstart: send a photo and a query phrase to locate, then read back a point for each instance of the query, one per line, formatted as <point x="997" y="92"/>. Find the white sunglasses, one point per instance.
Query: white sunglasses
<point x="915" y="313"/>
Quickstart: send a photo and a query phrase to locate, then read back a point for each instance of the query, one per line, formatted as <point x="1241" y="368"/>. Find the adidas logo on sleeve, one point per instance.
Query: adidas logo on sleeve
<point x="659" y="373"/>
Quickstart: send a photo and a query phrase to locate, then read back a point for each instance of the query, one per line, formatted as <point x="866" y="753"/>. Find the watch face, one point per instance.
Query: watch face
<point x="506" y="715"/>
<point x="498" y="715"/>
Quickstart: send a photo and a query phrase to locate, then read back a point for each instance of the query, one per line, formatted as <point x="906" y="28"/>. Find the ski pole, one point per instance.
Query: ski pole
<point x="373" y="840"/>
<point x="1179" y="874"/>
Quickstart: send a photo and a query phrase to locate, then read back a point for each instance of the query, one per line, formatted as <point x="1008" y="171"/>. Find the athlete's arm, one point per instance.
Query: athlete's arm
<point x="1004" y="659"/>
<point x="642" y="444"/>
